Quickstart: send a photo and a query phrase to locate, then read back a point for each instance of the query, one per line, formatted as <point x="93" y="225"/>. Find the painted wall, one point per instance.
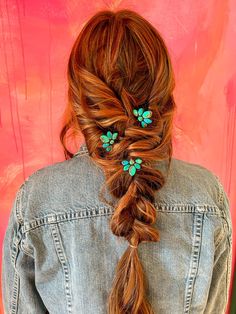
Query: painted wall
<point x="35" y="39"/>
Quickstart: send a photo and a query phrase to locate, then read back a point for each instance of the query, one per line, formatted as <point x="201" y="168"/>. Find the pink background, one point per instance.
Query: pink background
<point x="36" y="38"/>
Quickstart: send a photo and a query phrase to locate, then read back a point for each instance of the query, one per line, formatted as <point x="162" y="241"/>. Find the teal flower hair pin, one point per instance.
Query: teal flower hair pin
<point x="132" y="165"/>
<point x="108" y="140"/>
<point x="143" y="116"/>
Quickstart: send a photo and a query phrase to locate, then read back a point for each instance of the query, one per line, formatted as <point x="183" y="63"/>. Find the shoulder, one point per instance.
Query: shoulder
<point x="192" y="183"/>
<point x="60" y="187"/>
<point x="194" y="171"/>
<point x="59" y="173"/>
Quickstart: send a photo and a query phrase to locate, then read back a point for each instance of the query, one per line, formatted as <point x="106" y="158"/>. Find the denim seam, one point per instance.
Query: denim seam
<point x="220" y="196"/>
<point x="222" y="234"/>
<point x="194" y="262"/>
<point x="26" y="251"/>
<point x="15" y="250"/>
<point x="15" y="288"/>
<point x="56" y="218"/>
<point x="221" y="201"/>
<point x="83" y="152"/>
<point x="64" y="263"/>
<point x="104" y="211"/>
<point x="220" y="193"/>
<point x="229" y="260"/>
<point x="20" y="220"/>
<point x="228" y="234"/>
<point x="229" y="269"/>
<point x="19" y="196"/>
<point x="15" y="292"/>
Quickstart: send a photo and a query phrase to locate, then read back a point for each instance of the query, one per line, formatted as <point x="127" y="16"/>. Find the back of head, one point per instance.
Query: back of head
<point x="119" y="68"/>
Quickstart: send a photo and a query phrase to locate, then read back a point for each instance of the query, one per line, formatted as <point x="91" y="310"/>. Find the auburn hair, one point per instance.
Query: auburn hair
<point x="119" y="62"/>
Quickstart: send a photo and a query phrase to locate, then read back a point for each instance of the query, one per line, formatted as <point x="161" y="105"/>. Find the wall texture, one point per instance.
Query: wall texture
<point x="35" y="40"/>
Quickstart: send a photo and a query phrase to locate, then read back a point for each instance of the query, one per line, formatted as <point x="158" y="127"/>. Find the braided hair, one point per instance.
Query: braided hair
<point x="119" y="68"/>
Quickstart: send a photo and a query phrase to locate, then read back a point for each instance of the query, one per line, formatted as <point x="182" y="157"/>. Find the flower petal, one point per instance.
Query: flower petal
<point x="143" y="124"/>
<point x="126" y="167"/>
<point x="135" y="112"/>
<point x="125" y="162"/>
<point x="104" y="138"/>
<point x="114" y="136"/>
<point x="132" y="170"/>
<point x="140" y="111"/>
<point x="109" y="134"/>
<point x="147" y="120"/>
<point x="147" y="114"/>
<point x="109" y="148"/>
<point x="137" y="166"/>
<point x="105" y="145"/>
<point x="138" y="160"/>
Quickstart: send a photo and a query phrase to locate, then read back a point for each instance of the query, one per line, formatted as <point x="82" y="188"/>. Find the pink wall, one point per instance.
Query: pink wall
<point x="36" y="37"/>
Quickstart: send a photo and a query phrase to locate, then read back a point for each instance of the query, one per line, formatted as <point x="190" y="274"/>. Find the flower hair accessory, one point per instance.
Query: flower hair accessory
<point x="132" y="165"/>
<point x="143" y="116"/>
<point x="108" y="140"/>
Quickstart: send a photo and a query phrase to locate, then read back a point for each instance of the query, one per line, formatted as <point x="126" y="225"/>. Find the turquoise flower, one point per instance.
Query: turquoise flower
<point x="108" y="140"/>
<point x="143" y="116"/>
<point x="132" y="165"/>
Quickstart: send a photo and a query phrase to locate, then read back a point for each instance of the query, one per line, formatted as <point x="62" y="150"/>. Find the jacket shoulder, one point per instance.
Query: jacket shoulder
<point x="190" y="183"/>
<point x="60" y="187"/>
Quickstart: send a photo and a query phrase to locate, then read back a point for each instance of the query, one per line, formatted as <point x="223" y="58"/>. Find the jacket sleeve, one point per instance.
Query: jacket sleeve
<point x="218" y="297"/>
<point x="19" y="293"/>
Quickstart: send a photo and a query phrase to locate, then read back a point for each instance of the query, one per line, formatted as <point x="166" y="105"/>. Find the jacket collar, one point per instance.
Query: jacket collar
<point x="83" y="148"/>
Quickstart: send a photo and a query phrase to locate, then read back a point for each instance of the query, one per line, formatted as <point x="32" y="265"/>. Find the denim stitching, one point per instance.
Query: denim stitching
<point x="14" y="252"/>
<point x="15" y="288"/>
<point x="222" y="234"/>
<point x="65" y="265"/>
<point x="195" y="257"/>
<point x="229" y="236"/>
<point x="229" y="260"/>
<point x="20" y="220"/>
<point x="83" y="151"/>
<point x="229" y="269"/>
<point x="220" y="197"/>
<point x="19" y="196"/>
<point x="15" y="292"/>
<point x="104" y="211"/>
<point x="25" y="250"/>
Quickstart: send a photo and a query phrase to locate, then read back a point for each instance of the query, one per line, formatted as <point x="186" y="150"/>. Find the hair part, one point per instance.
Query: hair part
<point x="120" y="62"/>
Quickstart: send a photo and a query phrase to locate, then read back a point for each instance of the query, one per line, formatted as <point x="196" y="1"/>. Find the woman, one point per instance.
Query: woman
<point x="121" y="226"/>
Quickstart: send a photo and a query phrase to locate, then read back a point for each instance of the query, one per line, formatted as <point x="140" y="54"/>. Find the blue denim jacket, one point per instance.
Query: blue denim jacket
<point x="59" y="255"/>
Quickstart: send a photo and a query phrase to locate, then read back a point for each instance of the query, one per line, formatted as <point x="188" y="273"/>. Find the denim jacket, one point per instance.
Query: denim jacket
<point x="59" y="255"/>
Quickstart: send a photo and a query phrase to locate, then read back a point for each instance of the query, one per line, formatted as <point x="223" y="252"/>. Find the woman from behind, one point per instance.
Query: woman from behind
<point x="119" y="69"/>
<point x="120" y="97"/>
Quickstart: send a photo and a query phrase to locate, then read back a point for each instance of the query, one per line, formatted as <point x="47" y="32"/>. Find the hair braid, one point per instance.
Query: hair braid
<point x="102" y="98"/>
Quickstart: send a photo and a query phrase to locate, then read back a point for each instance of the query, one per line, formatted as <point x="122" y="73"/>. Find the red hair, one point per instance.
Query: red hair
<point x="118" y="63"/>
